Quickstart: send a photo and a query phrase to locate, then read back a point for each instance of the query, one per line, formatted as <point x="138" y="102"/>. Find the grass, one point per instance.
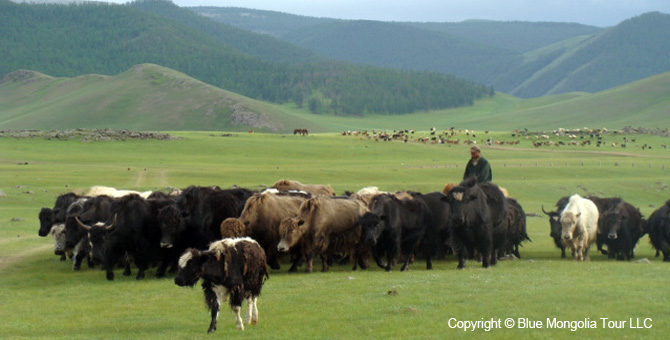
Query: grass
<point x="43" y="298"/>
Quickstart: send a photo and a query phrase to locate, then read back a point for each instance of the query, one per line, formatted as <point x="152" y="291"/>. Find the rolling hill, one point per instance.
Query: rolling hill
<point x="145" y="97"/>
<point x="152" y="97"/>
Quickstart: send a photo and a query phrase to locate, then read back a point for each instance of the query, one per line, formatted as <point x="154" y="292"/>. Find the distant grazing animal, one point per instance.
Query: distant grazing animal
<point x="623" y="226"/>
<point x="658" y="227"/>
<point x="234" y="268"/>
<point x="325" y="226"/>
<point x="579" y="221"/>
<point x="517" y="227"/>
<point x="555" y="223"/>
<point x="480" y="221"/>
<point x="261" y="217"/>
<point x="314" y="189"/>
<point x="394" y="227"/>
<point x="99" y="190"/>
<point x="204" y="208"/>
<point x="302" y="132"/>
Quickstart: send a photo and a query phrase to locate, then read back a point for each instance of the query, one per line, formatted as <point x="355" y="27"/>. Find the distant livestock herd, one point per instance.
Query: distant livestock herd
<point x="556" y="138"/>
<point x="225" y="238"/>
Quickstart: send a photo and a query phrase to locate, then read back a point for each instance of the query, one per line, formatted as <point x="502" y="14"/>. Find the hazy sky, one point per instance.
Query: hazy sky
<point x="590" y="12"/>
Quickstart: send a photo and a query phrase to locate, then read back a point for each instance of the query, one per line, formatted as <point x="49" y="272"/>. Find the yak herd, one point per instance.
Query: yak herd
<point x="228" y="237"/>
<point x="579" y="222"/>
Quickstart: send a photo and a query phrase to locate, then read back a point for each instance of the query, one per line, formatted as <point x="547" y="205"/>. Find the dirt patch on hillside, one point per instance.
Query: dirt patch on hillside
<point x="243" y="116"/>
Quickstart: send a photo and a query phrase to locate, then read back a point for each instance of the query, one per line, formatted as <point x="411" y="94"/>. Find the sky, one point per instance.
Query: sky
<point x="601" y="13"/>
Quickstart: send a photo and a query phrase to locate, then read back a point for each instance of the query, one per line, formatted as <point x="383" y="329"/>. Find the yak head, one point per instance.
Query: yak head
<point x="465" y="200"/>
<point x="612" y="220"/>
<point x="171" y="224"/>
<point x="73" y="233"/>
<point x="252" y="213"/>
<point x="97" y="234"/>
<point x="554" y="223"/>
<point x="47" y="219"/>
<point x="290" y="231"/>
<point x="233" y="227"/>
<point x="187" y="200"/>
<point x="373" y="222"/>
<point x="569" y="224"/>
<point x="372" y="226"/>
<point x="58" y="234"/>
<point x="191" y="265"/>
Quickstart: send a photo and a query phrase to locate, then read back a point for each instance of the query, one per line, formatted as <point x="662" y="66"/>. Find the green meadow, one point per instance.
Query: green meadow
<point x="42" y="298"/>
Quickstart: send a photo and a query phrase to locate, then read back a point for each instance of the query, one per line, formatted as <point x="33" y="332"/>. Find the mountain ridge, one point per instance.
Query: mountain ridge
<point x="493" y="53"/>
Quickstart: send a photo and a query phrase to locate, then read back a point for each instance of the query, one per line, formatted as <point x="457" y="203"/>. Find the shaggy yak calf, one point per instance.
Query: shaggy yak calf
<point x="231" y="267"/>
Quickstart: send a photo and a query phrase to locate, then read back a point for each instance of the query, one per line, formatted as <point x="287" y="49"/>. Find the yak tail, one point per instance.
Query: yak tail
<point x="266" y="273"/>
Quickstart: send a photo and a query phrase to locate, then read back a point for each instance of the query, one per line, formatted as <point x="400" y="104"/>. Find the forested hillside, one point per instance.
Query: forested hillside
<point x="635" y="49"/>
<point x="518" y="36"/>
<point x="254" y="44"/>
<point x="71" y="40"/>
<point x="527" y="59"/>
<point x="404" y="47"/>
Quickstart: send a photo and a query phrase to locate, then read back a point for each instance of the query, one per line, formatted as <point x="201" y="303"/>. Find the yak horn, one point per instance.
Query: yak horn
<point x="546" y="213"/>
<point x="113" y="225"/>
<point x="82" y="225"/>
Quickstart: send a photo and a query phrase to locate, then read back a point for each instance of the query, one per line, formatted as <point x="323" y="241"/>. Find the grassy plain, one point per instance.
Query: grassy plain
<point x="42" y="298"/>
